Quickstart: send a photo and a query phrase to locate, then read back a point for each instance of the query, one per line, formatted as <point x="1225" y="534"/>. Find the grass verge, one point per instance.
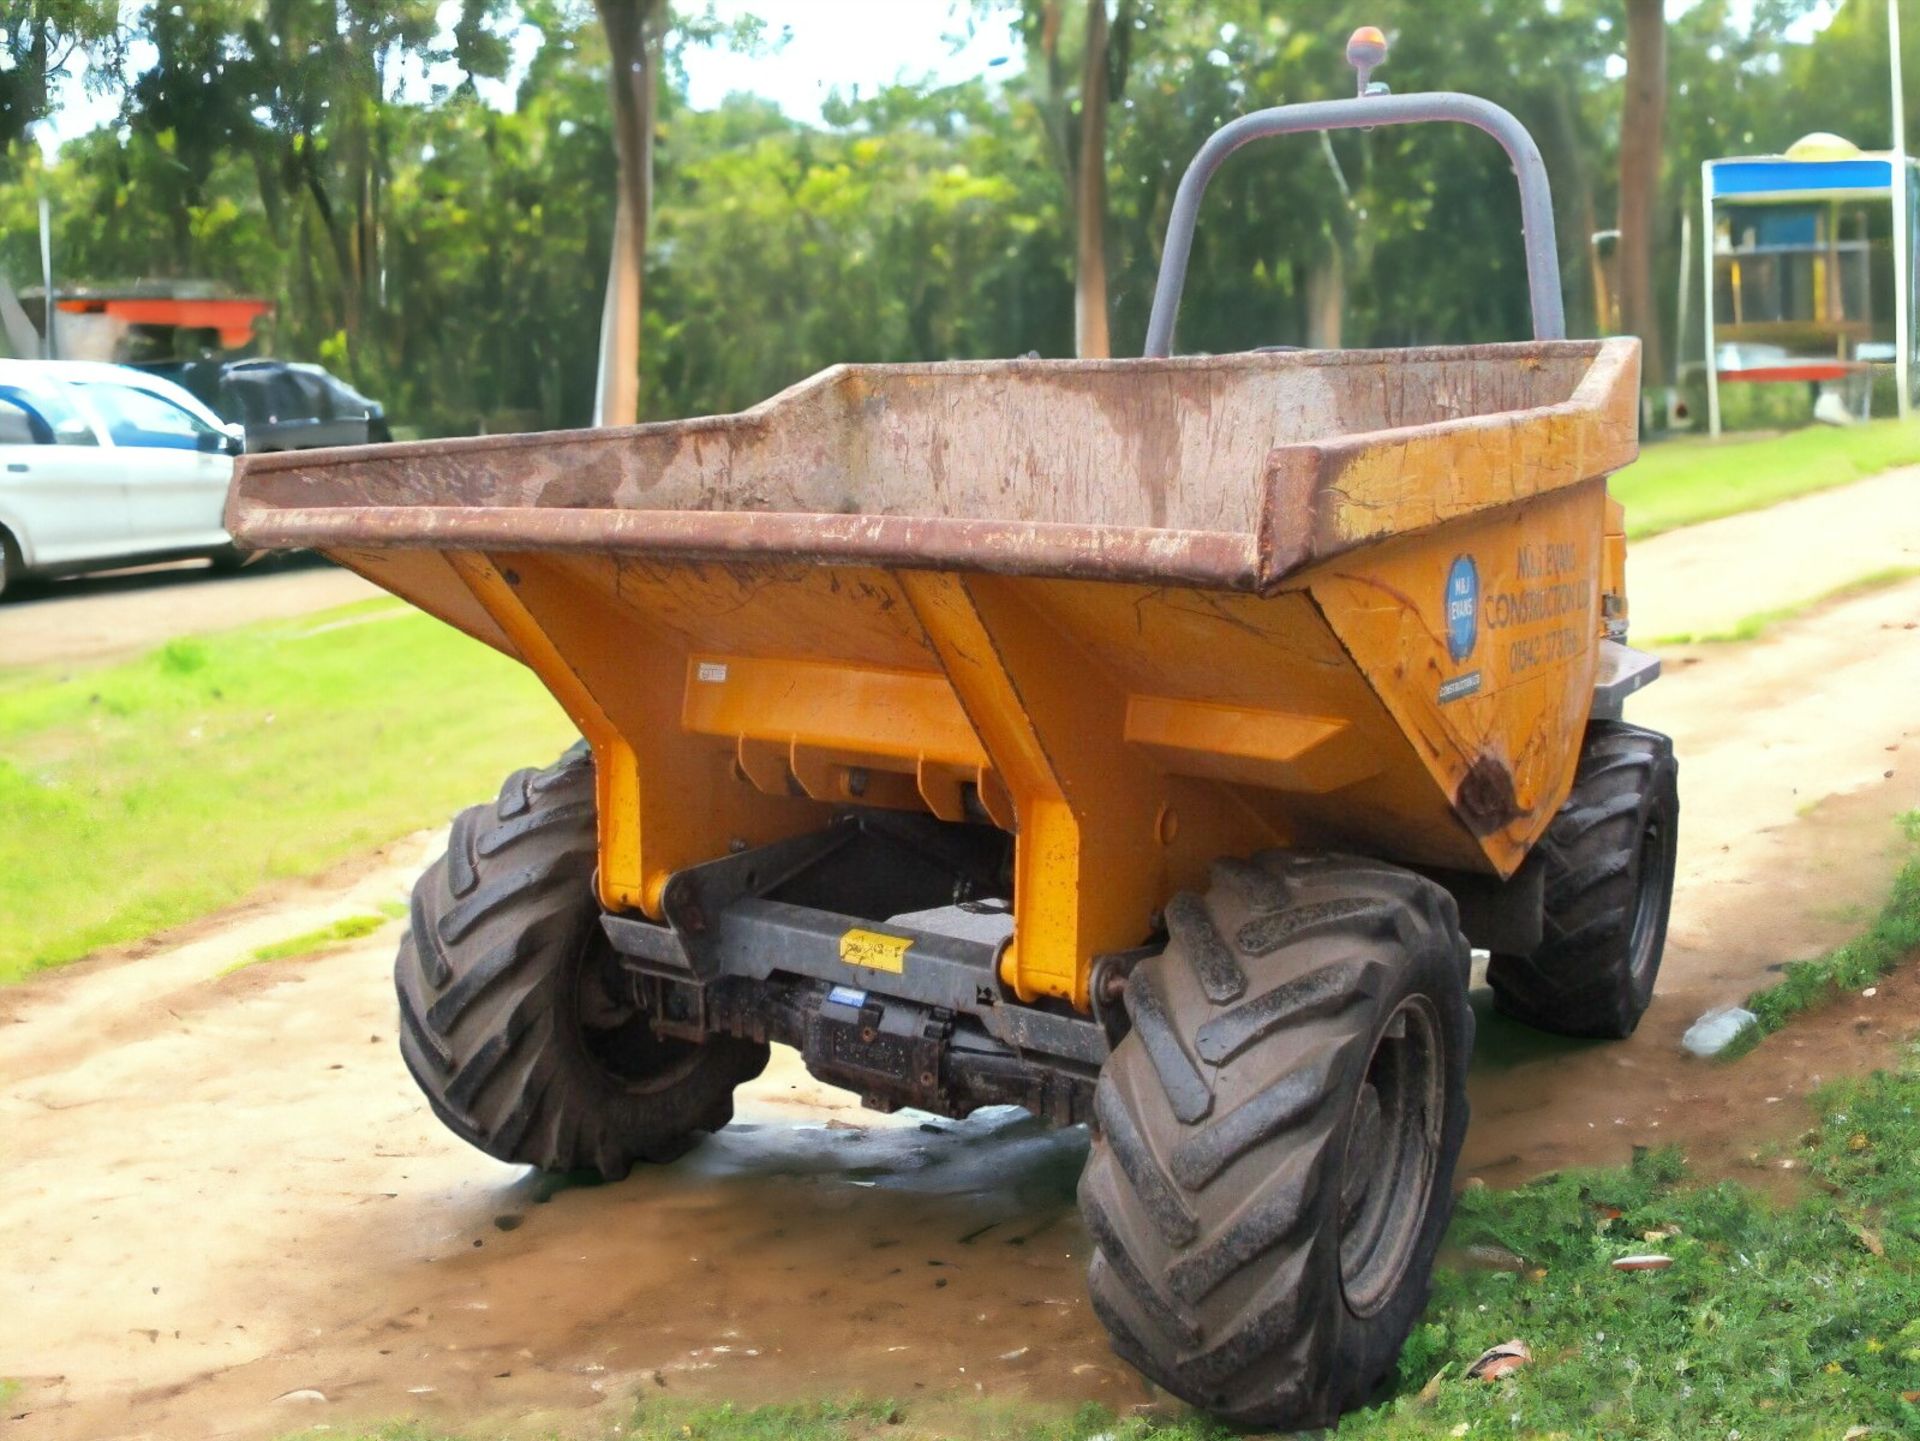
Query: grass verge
<point x="148" y="793"/>
<point x="1774" y="1320"/>
<point x="318" y="941"/>
<point x="1893" y="936"/>
<point x="1752" y="627"/>
<point x="1685" y="481"/>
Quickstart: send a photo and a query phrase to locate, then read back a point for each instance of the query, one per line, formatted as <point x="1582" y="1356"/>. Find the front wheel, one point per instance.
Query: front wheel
<point x="518" y="1023"/>
<point x="1275" y="1137"/>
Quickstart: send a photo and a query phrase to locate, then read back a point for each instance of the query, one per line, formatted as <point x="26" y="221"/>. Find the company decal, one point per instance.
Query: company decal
<point x="1463" y="607"/>
<point x="1544" y="616"/>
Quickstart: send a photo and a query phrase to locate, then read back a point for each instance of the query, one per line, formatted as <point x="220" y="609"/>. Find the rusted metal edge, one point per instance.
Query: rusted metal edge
<point x="1597" y="428"/>
<point x="826" y="380"/>
<point x="1211" y="559"/>
<point x="1598" y="433"/>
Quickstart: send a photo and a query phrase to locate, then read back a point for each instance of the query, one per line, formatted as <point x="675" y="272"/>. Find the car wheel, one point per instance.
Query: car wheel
<point x="12" y="567"/>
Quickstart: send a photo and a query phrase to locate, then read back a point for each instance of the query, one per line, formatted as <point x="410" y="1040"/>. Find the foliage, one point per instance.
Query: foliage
<point x="1685" y="481"/>
<point x="38" y="39"/>
<point x="447" y="254"/>
<point x="153" y="791"/>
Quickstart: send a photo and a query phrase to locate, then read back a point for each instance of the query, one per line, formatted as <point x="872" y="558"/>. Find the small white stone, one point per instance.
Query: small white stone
<point x="1715" y="1031"/>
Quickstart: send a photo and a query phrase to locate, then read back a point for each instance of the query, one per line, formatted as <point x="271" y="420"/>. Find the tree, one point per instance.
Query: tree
<point x="1090" y="339"/>
<point x="430" y="246"/>
<point x="634" y="31"/>
<point x="1075" y="121"/>
<point x="1642" y="118"/>
<point x="37" y="39"/>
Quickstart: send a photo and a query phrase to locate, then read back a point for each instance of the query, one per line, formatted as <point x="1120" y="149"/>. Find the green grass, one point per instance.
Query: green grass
<point x="1776" y="1320"/>
<point x="316" y="942"/>
<point x="1847" y="968"/>
<point x="145" y="794"/>
<point x="1752" y="627"/>
<point x="1685" y="481"/>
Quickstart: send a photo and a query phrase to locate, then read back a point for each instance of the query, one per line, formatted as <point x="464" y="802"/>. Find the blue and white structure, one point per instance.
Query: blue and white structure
<point x="1788" y="265"/>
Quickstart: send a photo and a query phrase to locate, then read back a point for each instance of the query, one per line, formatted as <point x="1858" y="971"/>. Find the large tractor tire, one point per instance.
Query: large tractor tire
<point x="1275" y="1137"/>
<point x="1609" y="857"/>
<point x="515" y="1020"/>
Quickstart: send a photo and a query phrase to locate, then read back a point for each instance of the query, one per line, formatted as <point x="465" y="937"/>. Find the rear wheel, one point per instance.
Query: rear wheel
<point x="1275" y="1138"/>
<point x="1609" y="857"/>
<point x="516" y="1020"/>
<point x="11" y="566"/>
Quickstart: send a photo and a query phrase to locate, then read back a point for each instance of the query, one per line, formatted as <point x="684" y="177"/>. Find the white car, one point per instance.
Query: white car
<point x="103" y="466"/>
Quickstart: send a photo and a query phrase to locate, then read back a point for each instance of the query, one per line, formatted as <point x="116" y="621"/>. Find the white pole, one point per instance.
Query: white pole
<point x="1681" y="301"/>
<point x="1902" y="254"/>
<point x="46" y="278"/>
<point x="1706" y="297"/>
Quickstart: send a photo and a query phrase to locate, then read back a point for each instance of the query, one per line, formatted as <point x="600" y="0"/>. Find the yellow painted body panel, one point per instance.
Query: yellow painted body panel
<point x="725" y="711"/>
<point x="1379" y="638"/>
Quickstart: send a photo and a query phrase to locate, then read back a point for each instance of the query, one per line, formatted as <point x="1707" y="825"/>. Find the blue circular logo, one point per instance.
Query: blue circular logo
<point x="1463" y="607"/>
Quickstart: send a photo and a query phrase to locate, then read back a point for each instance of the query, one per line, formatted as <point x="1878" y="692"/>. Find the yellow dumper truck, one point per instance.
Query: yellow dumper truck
<point x="1141" y="742"/>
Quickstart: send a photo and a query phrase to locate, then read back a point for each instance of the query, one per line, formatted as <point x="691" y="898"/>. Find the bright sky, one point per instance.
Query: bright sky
<point x="866" y="45"/>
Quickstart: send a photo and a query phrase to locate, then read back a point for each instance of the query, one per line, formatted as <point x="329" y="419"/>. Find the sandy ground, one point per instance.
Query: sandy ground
<point x="1706" y="579"/>
<point x="104" y="617"/>
<point x="1796" y="751"/>
<point x="228" y="1214"/>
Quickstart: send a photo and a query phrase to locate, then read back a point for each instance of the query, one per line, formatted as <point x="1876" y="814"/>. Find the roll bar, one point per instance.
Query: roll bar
<point x="1370" y="108"/>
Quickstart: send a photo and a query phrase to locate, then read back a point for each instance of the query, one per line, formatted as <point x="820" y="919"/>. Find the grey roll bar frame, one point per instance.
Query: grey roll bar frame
<point x="1365" y="112"/>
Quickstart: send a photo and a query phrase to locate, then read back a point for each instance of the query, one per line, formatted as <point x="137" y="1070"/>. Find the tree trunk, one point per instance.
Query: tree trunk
<point x="1641" y="120"/>
<point x="1567" y="163"/>
<point x="340" y="238"/>
<point x="1054" y="117"/>
<point x="1090" y="337"/>
<point x="633" y="37"/>
<point x="1326" y="297"/>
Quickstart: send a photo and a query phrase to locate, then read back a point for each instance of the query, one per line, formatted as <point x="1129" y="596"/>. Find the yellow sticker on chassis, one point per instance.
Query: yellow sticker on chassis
<point x="875" y="951"/>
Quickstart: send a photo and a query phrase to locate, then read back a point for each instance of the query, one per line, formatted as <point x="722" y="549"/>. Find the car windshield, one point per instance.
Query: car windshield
<point x="345" y="396"/>
<point x="247" y="398"/>
<point x="51" y="406"/>
<point x="140" y="417"/>
<point x="20" y="423"/>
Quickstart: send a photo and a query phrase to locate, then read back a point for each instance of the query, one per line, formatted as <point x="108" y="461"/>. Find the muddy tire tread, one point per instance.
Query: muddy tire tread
<point x="497" y="926"/>
<point x="1579" y="981"/>
<point x="1208" y="1190"/>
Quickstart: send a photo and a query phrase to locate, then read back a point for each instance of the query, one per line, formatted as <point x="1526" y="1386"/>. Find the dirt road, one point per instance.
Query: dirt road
<point x="228" y="1214"/>
<point x="1706" y="579"/>
<point x="105" y="617"/>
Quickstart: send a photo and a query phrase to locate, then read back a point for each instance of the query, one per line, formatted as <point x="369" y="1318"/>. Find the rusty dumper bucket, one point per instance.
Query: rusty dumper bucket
<point x="1141" y="614"/>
